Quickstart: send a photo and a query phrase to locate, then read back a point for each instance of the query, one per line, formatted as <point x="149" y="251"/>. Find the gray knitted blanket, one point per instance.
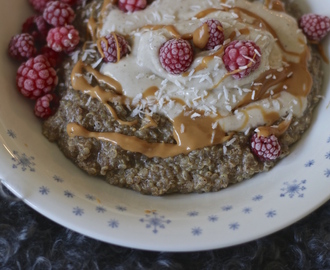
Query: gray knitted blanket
<point x="31" y="241"/>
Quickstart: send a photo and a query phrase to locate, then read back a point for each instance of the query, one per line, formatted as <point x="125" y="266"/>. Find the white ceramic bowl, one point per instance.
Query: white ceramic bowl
<point x="37" y="171"/>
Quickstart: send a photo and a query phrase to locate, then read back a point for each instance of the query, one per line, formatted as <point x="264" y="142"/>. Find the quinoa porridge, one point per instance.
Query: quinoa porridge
<point x="141" y="127"/>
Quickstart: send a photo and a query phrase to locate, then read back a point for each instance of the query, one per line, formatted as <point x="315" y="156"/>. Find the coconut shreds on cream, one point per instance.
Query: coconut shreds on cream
<point x="206" y="90"/>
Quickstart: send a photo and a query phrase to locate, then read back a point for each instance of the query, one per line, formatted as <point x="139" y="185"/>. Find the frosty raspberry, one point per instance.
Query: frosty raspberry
<point x="176" y="56"/>
<point x="21" y="47"/>
<point x="36" y="77"/>
<point x="267" y="148"/>
<point x="241" y="57"/>
<point x="110" y="45"/>
<point x="314" y="26"/>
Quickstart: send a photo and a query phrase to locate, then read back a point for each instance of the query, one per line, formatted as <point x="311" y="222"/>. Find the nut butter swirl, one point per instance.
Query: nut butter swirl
<point x="286" y="85"/>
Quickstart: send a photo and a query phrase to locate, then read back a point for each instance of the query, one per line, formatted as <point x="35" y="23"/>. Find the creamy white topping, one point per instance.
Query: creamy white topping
<point x="141" y="69"/>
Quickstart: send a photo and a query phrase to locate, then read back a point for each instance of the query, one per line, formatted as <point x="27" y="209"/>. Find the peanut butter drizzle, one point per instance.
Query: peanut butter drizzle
<point x="201" y="36"/>
<point x="153" y="89"/>
<point x="105" y="5"/>
<point x="117" y="47"/>
<point x="206" y="12"/>
<point x="266" y="25"/>
<point x="256" y="24"/>
<point x="105" y="42"/>
<point x="200" y="128"/>
<point x="79" y="83"/>
<point x="170" y="28"/>
<point x="269" y="118"/>
<point x="243" y="31"/>
<point x="300" y="76"/>
<point x="321" y="51"/>
<point x="99" y="47"/>
<point x="150" y="122"/>
<point x="150" y="91"/>
<point x="275" y="5"/>
<point x="92" y="28"/>
<point x="275" y="130"/>
<point x="205" y="61"/>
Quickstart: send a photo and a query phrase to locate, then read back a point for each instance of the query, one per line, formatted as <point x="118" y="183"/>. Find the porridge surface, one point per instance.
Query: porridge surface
<point x="135" y="119"/>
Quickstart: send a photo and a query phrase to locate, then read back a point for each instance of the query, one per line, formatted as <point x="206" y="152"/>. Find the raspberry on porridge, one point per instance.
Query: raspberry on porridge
<point x="132" y="5"/>
<point x="176" y="56"/>
<point x="215" y="30"/>
<point x="241" y="58"/>
<point x="45" y="106"/>
<point x="315" y="27"/>
<point x="113" y="47"/>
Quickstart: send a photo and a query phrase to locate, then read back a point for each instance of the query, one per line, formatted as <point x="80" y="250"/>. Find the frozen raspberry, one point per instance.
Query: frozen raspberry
<point x="21" y="47"/>
<point x="37" y="27"/>
<point x="176" y="56"/>
<point x="241" y="57"/>
<point x="314" y="26"/>
<point x="132" y="5"/>
<point x="58" y="14"/>
<point x="39" y="5"/>
<point x="265" y="148"/>
<point x="216" y="34"/>
<point x="109" y="47"/>
<point x="46" y="106"/>
<point x="71" y="2"/>
<point x="36" y="77"/>
<point x="53" y="57"/>
<point x="63" y="38"/>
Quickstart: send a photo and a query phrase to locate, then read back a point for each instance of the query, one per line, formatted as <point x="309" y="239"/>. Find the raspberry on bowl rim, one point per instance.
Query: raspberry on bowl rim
<point x="21" y="47"/>
<point x="58" y="14"/>
<point x="37" y="27"/>
<point x="63" y="38"/>
<point x="36" y="77"/>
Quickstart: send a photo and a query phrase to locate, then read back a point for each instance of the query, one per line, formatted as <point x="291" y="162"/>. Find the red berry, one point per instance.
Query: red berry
<point x="36" y="77"/>
<point x="63" y="38"/>
<point x="39" y="5"/>
<point x="314" y="26"/>
<point x="267" y="148"/>
<point x="37" y="27"/>
<point x="70" y="2"/>
<point x="58" y="14"/>
<point x="21" y="47"/>
<point x="217" y="36"/>
<point x="45" y="106"/>
<point x="132" y="5"/>
<point x="241" y="57"/>
<point x="53" y="57"/>
<point x="176" y="56"/>
<point x="109" y="47"/>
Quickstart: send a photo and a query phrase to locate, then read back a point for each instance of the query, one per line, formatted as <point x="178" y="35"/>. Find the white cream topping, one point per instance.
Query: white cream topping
<point x="141" y="69"/>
